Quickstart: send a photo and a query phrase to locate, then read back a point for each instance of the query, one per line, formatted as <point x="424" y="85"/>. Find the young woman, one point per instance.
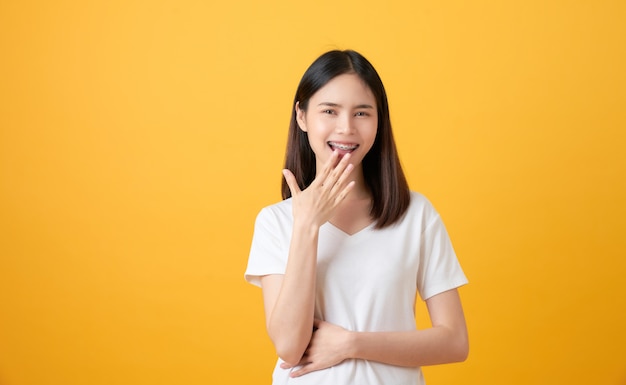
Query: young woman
<point x="342" y="258"/>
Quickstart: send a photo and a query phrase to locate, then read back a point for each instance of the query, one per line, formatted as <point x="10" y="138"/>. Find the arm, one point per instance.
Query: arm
<point x="289" y="299"/>
<point x="445" y="342"/>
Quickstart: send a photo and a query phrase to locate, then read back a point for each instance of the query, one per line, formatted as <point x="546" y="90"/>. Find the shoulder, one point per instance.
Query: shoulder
<point x="276" y="214"/>
<point x="282" y="207"/>
<point x="418" y="199"/>
<point x="421" y="210"/>
<point x="420" y="203"/>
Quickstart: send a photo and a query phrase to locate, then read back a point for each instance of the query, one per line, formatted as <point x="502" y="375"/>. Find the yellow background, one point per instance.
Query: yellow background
<point x="139" y="139"/>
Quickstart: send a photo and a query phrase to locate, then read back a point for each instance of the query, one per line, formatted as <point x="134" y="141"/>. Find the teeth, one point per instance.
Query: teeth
<point x="344" y="147"/>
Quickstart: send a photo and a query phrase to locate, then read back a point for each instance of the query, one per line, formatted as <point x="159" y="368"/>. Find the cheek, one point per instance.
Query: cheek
<point x="372" y="132"/>
<point x="370" y="139"/>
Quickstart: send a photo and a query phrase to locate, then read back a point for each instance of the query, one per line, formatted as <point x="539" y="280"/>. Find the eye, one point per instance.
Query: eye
<point x="362" y="113"/>
<point x="329" y="112"/>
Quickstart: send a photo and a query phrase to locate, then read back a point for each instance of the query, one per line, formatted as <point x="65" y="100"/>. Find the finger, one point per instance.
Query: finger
<point x="343" y="178"/>
<point x="328" y="167"/>
<point x="331" y="178"/>
<point x="291" y="182"/>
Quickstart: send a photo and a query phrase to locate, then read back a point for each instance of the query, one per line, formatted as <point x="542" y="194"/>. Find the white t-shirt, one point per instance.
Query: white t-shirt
<point x="367" y="281"/>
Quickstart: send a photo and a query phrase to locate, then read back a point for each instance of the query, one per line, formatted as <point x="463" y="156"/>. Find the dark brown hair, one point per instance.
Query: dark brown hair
<point x="381" y="166"/>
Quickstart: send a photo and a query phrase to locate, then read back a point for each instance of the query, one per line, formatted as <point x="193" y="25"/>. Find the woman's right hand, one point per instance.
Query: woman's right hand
<point x="315" y="204"/>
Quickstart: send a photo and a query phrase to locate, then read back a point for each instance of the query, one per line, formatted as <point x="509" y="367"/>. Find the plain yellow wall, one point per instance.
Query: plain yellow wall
<point x="139" y="139"/>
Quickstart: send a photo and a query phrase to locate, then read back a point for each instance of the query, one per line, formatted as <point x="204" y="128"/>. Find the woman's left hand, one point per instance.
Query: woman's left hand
<point x="328" y="347"/>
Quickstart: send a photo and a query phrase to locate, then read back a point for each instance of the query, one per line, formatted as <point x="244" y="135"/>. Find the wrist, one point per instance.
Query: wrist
<point x="306" y="227"/>
<point x="351" y="345"/>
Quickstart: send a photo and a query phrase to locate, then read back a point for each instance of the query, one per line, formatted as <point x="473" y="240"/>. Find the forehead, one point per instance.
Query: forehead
<point x="345" y="89"/>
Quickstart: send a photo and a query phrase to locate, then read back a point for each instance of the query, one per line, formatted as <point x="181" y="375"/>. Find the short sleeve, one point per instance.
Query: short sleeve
<point x="439" y="269"/>
<point x="268" y="252"/>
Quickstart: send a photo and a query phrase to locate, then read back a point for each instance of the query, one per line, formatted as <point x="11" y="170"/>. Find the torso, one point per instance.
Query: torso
<point x="367" y="279"/>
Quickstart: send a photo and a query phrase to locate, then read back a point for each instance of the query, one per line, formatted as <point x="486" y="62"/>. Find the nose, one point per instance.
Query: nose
<point x="344" y="124"/>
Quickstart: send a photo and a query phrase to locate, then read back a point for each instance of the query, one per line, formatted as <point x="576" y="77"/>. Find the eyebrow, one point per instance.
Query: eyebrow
<point x="330" y="104"/>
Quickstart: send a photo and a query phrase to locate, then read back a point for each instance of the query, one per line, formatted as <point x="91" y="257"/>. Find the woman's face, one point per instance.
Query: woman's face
<point x="342" y="117"/>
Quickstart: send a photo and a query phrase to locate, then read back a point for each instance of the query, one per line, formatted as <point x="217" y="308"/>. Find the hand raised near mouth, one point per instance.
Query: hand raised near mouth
<point x="314" y="205"/>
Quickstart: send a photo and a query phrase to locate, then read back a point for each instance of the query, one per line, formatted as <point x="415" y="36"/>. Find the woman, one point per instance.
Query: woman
<point x="343" y="256"/>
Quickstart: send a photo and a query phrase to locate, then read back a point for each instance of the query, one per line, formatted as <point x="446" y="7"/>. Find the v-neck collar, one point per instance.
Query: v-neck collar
<point x="360" y="233"/>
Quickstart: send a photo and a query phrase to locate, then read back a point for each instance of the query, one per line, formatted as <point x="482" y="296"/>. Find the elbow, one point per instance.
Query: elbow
<point x="290" y="348"/>
<point x="462" y="354"/>
<point x="290" y="344"/>
<point x="458" y="344"/>
<point x="291" y="361"/>
<point x="460" y="350"/>
<point x="289" y="353"/>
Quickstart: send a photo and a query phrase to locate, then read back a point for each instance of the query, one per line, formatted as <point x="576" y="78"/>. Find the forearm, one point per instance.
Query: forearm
<point x="437" y="345"/>
<point x="290" y="323"/>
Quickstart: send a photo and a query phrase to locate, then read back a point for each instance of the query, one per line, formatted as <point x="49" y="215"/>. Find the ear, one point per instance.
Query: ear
<point x="300" y="117"/>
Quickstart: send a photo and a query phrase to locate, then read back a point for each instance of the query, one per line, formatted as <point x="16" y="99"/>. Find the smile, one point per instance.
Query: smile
<point x="342" y="146"/>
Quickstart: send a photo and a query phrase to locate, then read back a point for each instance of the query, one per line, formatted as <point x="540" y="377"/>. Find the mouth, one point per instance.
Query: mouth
<point x="343" y="147"/>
